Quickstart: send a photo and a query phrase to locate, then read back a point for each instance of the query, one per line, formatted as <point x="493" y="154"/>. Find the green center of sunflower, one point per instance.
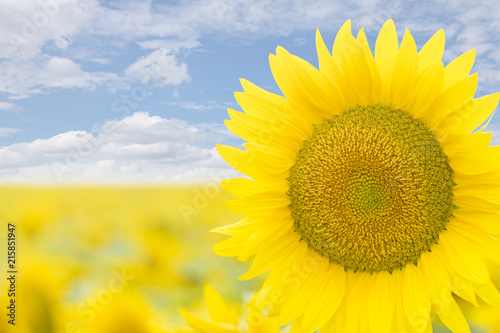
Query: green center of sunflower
<point x="371" y="189"/>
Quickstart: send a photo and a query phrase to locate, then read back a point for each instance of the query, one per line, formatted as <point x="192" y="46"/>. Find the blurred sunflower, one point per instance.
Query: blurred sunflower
<point x="219" y="316"/>
<point x="368" y="197"/>
<point x="125" y="312"/>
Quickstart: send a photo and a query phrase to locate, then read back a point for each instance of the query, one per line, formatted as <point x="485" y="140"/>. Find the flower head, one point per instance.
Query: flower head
<point x="369" y="198"/>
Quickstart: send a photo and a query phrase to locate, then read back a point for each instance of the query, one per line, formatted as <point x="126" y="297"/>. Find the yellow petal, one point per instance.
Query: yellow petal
<point x="255" y="163"/>
<point x="278" y="254"/>
<point x="470" y="115"/>
<point x="382" y="303"/>
<point x="467" y="201"/>
<point x="257" y="323"/>
<point x="452" y="316"/>
<point x="249" y="225"/>
<point x="230" y="247"/>
<point x="217" y="307"/>
<point x="464" y="261"/>
<point x="245" y="187"/>
<point x="356" y="308"/>
<point x="488" y="222"/>
<point x="464" y="289"/>
<point x="400" y="322"/>
<point x="304" y="85"/>
<point x="435" y="269"/>
<point x="267" y="203"/>
<point x="486" y="245"/>
<point x="428" y="88"/>
<point x="273" y="233"/>
<point x="386" y="51"/>
<point x="240" y="160"/>
<point x="452" y="99"/>
<point x="329" y="68"/>
<point x="432" y="52"/>
<point x="480" y="189"/>
<point x="297" y="326"/>
<point x="244" y="226"/>
<point x="206" y="326"/>
<point x="416" y="301"/>
<point x="329" y="294"/>
<point x="361" y="74"/>
<point x="459" y="68"/>
<point x="337" y="322"/>
<point x="299" y="298"/>
<point x="405" y="72"/>
<point x="460" y="144"/>
<point x="488" y="293"/>
<point x="261" y="133"/>
<point x="434" y="272"/>
<point x="273" y="109"/>
<point x="343" y="35"/>
<point x="274" y="161"/>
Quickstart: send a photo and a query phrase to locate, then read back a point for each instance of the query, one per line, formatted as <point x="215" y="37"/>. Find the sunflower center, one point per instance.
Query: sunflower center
<point x="371" y="189"/>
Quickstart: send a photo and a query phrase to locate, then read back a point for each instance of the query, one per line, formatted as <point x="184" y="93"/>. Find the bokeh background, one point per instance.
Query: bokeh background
<point x="125" y="259"/>
<point x="114" y="259"/>
<point x="110" y="112"/>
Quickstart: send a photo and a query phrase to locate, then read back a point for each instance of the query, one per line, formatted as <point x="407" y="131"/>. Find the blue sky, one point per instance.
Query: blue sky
<point x="138" y="90"/>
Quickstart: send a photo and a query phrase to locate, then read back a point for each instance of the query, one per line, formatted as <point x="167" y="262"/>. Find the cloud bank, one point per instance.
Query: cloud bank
<point x="43" y="34"/>
<point x="137" y="147"/>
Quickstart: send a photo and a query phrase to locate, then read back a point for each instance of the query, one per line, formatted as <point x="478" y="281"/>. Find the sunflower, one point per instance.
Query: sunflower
<point x="372" y="195"/>
<point x="222" y="317"/>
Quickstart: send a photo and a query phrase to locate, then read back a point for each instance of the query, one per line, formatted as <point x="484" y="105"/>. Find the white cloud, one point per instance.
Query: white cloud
<point x="171" y="45"/>
<point x="137" y="147"/>
<point x="175" y="93"/>
<point x="5" y="131"/>
<point x="29" y="24"/>
<point x="160" y="68"/>
<point x="101" y="30"/>
<point x="300" y="41"/>
<point x="20" y="79"/>
<point x="8" y="106"/>
<point x="195" y="106"/>
<point x="153" y="24"/>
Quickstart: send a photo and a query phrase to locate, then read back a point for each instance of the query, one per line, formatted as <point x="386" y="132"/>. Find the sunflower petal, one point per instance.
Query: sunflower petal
<point x="304" y="85"/>
<point x="386" y="52"/>
<point x="295" y="304"/>
<point x="405" y="72"/>
<point x="329" y="68"/>
<point x="230" y="247"/>
<point x="245" y="187"/>
<point x="343" y="35"/>
<point x="217" y="307"/>
<point x="428" y="88"/>
<point x="488" y="293"/>
<point x="452" y="317"/>
<point x="416" y="302"/>
<point x="464" y="261"/>
<point x="329" y="295"/>
<point x="459" y="68"/>
<point x="432" y="52"/>
<point x="470" y="115"/>
<point x="382" y="303"/>
<point x="453" y="98"/>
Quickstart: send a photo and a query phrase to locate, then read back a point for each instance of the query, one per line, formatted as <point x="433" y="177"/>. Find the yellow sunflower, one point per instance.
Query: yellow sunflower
<point x="220" y="316"/>
<point x="368" y="199"/>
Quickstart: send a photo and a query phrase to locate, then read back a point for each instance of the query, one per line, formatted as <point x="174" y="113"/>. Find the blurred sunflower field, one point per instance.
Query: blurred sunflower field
<point x="128" y="259"/>
<point x="121" y="259"/>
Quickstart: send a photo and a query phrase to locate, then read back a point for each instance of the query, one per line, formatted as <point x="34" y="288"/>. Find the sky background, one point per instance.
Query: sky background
<point x="139" y="90"/>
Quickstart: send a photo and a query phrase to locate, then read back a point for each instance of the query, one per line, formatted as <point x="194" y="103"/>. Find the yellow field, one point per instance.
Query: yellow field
<point x="123" y="259"/>
<point x="113" y="259"/>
